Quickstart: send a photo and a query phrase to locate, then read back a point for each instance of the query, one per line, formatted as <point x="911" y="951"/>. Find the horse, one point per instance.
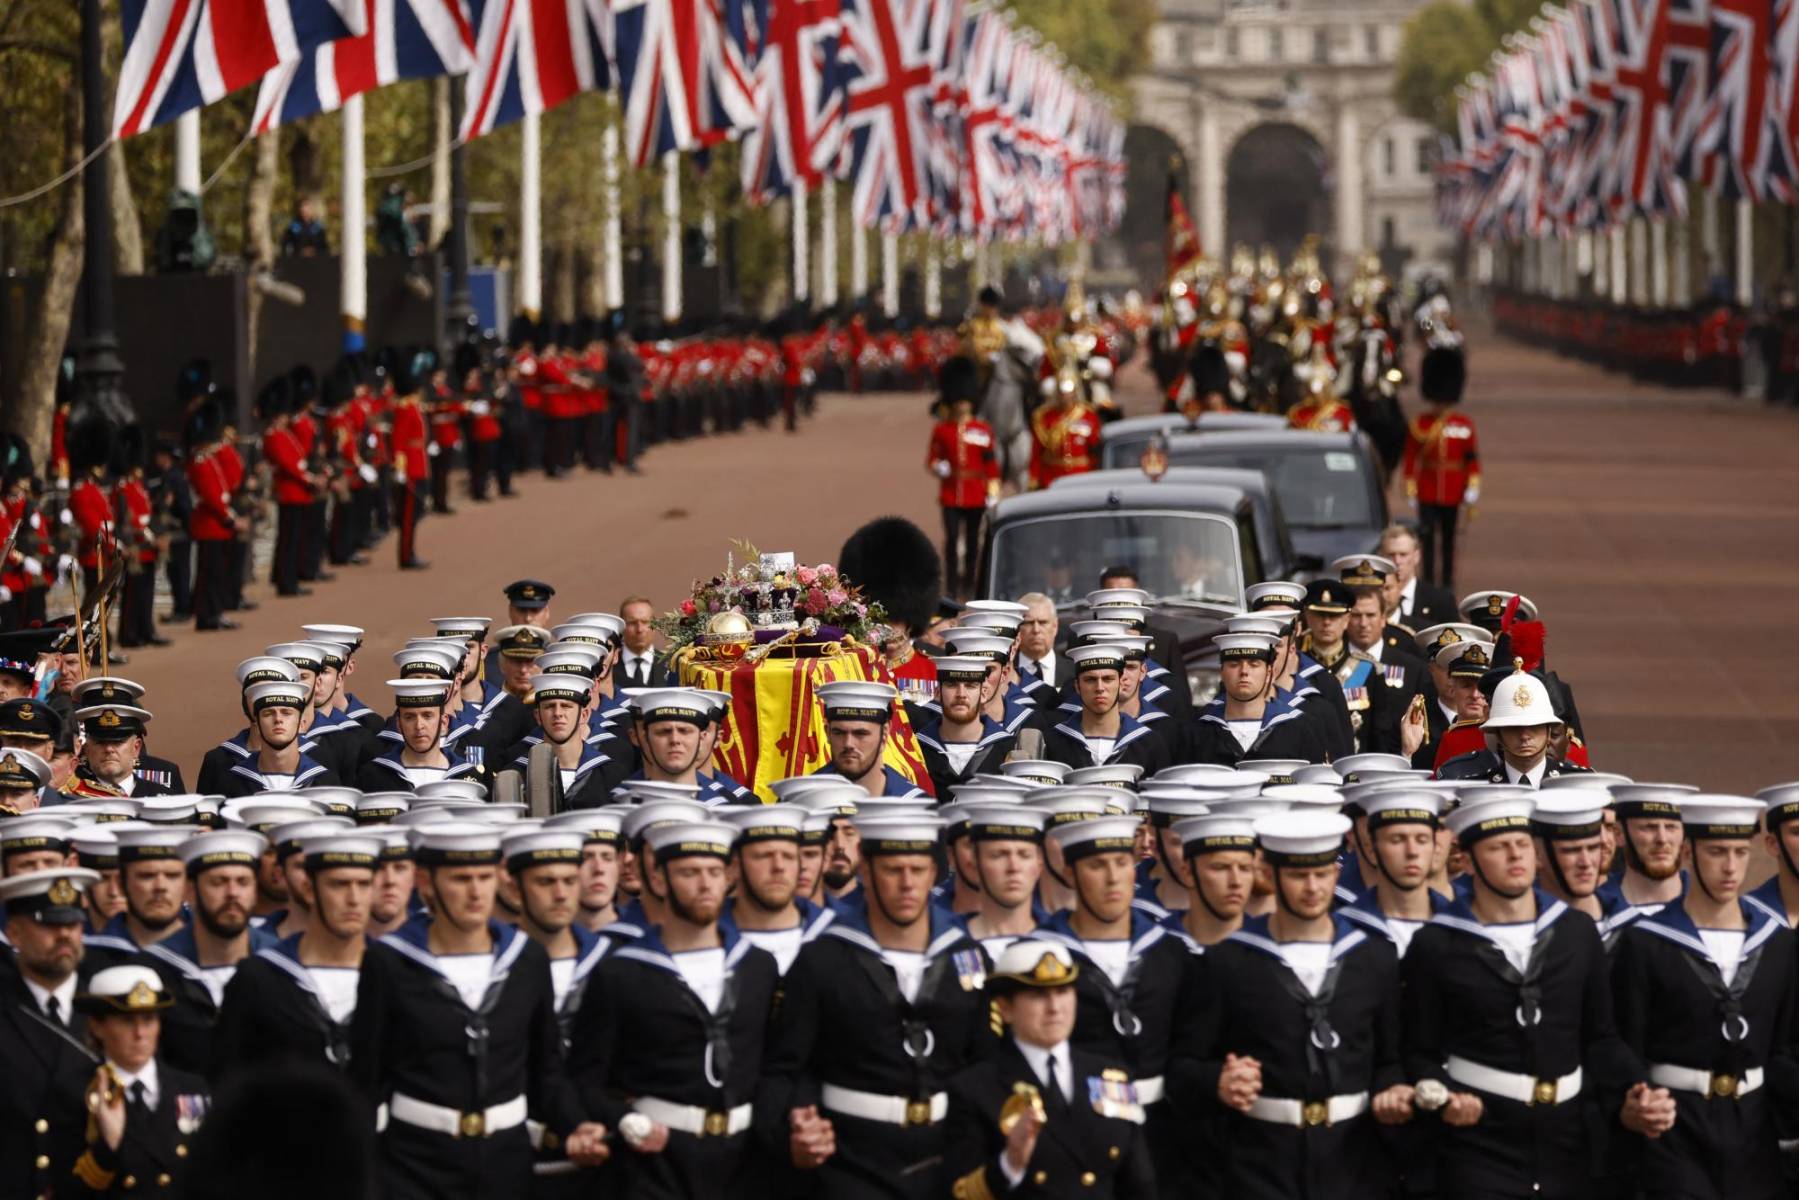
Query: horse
<point x="1006" y="406"/>
<point x="1372" y="395"/>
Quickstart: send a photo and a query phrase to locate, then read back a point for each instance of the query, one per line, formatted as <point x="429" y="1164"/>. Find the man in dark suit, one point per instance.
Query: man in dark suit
<point x="1040" y="1118"/>
<point x="1412" y="603"/>
<point x="640" y="664"/>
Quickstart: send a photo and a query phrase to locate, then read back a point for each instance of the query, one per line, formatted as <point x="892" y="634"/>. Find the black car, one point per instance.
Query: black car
<point x="1195" y="546"/>
<point x="1122" y="442"/>
<point x="1331" y="487"/>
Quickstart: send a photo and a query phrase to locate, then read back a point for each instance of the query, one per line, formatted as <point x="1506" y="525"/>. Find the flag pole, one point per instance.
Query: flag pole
<point x="890" y="273"/>
<point x="611" y="230"/>
<point x="187" y="152"/>
<point x="353" y="254"/>
<point x="827" y="243"/>
<point x="98" y="369"/>
<point x="671" y="236"/>
<point x="800" y="227"/>
<point x="458" y="306"/>
<point x="933" y="279"/>
<point x="530" y="225"/>
<point x="858" y="262"/>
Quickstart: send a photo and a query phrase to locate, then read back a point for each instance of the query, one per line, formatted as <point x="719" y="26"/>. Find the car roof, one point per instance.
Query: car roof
<point x="1296" y="439"/>
<point x="1159" y="422"/>
<point x="1130" y="491"/>
<point x="1247" y="479"/>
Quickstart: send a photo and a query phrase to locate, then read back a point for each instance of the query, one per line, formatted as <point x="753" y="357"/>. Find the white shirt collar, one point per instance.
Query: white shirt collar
<point x="1408" y="595"/>
<point x="1374" y="651"/>
<point x="1448" y="712"/>
<point x="64" y="993"/>
<point x="147" y="1077"/>
<point x="1534" y="775"/>
<point x="1038" y="1058"/>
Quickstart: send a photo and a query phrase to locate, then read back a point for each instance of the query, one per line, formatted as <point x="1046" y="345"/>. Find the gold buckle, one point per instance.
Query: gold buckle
<point x="918" y="1112"/>
<point x="1724" y="1087"/>
<point x="1315" y="1112"/>
<point x="1544" y="1092"/>
<point x="472" y="1124"/>
<point x="716" y="1124"/>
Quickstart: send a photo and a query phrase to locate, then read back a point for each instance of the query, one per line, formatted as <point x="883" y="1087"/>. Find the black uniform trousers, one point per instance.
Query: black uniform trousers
<point x="408" y="508"/>
<point x="961" y="545"/>
<point x="1436" y="530"/>
<point x="440" y="480"/>
<point x="212" y="581"/>
<point x="180" y="571"/>
<point x="284" y="572"/>
<point x="137" y="605"/>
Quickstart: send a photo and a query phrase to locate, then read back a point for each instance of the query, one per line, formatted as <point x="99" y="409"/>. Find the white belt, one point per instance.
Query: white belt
<point x="1150" y="1090"/>
<point x="889" y="1110"/>
<point x="453" y="1122"/>
<point x="1706" y="1083"/>
<point x="1303" y="1114"/>
<point x="1512" y="1085"/>
<point x="692" y="1118"/>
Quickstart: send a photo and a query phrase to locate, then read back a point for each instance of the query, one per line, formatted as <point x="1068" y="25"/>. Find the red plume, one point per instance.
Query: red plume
<point x="1528" y="639"/>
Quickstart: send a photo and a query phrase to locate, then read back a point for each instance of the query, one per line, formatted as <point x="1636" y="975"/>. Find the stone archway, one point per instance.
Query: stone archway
<point x="1278" y="188"/>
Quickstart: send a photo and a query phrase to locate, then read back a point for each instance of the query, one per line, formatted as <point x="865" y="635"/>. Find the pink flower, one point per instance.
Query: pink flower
<point x="814" y="603"/>
<point x="689" y="608"/>
<point x="826" y="571"/>
<point x="807" y="576"/>
<point x="836" y="596"/>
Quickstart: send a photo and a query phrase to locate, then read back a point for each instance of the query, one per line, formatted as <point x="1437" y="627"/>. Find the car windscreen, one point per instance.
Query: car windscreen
<point x="1319" y="488"/>
<point x="1187" y="555"/>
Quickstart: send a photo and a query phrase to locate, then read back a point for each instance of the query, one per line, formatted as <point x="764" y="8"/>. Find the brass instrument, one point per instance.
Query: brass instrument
<point x="103" y="1091"/>
<point x="1025" y="1098"/>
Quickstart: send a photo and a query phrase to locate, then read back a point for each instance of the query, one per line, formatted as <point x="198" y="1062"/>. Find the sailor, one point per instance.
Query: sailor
<point x="1402" y="841"/>
<point x="1219" y="850"/>
<point x="671" y="1034"/>
<point x="393" y="901"/>
<point x="291" y="1001"/>
<point x="281" y="762"/>
<point x="1780" y="894"/>
<point x="963" y="741"/>
<point x="455" y="1032"/>
<point x="1006" y="853"/>
<point x="422" y="757"/>
<point x="876" y="1016"/>
<point x="1652" y="836"/>
<point x="857" y="719"/>
<point x="1033" y="1119"/>
<point x="560" y="705"/>
<point x="768" y="909"/>
<point x="1299" y="1034"/>
<point x="668" y="728"/>
<point x="97" y="848"/>
<point x="597" y="901"/>
<point x="1100" y="734"/>
<point x="1569" y="825"/>
<point x="1507" y="1021"/>
<point x="1163" y="889"/>
<point x="143" y="1111"/>
<point x="152" y="876"/>
<point x="1250" y="717"/>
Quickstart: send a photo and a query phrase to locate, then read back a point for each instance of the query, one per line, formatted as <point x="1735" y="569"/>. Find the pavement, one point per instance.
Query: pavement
<point x="1657" y="530"/>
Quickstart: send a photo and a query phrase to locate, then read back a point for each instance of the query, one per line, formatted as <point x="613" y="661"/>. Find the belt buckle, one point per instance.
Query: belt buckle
<point x="918" y="1112"/>
<point x="717" y="1123"/>
<point x="1724" y="1087"/>
<point x="472" y="1125"/>
<point x="1544" y="1092"/>
<point x="1315" y="1112"/>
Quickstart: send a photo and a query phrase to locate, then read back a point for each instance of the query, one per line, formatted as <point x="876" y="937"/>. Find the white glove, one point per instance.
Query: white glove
<point x="368" y="473"/>
<point x="942" y="468"/>
<point x="1099" y="367"/>
<point x="64" y="565"/>
<point x="1472" y="495"/>
<point x="67" y="518"/>
<point x="431" y="450"/>
<point x="5" y="594"/>
<point x="32" y="566"/>
<point x="479" y="408"/>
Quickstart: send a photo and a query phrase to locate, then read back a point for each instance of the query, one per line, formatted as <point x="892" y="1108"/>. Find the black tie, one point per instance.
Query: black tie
<point x="1055" y="1099"/>
<point x="639" y="674"/>
<point x="53" y="1009"/>
<point x="137" y="1093"/>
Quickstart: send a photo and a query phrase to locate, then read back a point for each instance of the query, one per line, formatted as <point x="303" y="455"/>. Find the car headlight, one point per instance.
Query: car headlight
<point x="1202" y="685"/>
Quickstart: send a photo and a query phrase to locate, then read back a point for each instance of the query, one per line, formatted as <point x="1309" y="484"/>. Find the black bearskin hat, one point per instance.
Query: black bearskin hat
<point x="959" y="379"/>
<point x="1210" y="372"/>
<point x="895" y="563"/>
<point x="1442" y="375"/>
<point x="195" y="379"/>
<point x="990" y="295"/>
<point x="412" y="370"/>
<point x="128" y="449"/>
<point x="339" y="386"/>
<point x="303" y="383"/>
<point x="89" y="440"/>
<point x="275" y="399"/>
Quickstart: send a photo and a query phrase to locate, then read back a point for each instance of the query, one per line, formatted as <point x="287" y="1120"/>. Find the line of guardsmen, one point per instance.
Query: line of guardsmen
<point x="1101" y="969"/>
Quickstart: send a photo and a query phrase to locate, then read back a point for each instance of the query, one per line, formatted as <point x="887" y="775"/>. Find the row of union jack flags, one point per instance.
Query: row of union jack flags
<point x="940" y="117"/>
<point x="1609" y="109"/>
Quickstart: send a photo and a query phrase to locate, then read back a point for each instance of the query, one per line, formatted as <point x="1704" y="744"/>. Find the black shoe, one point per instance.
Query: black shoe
<point x="323" y="577"/>
<point x="159" y="640"/>
<point x="177" y="618"/>
<point x="115" y="659"/>
<point x="632" y="469"/>
<point x="223" y="623"/>
<point x="359" y="560"/>
<point x="414" y="564"/>
<point x="245" y="606"/>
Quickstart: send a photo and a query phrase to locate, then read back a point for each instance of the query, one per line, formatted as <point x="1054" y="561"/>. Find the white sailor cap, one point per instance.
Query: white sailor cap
<point x="453" y="789"/>
<point x="1719" y="817"/>
<point x="597" y="826"/>
<point x="265" y="668"/>
<point x="844" y="800"/>
<point x="815" y="830"/>
<point x="573" y="688"/>
<point x="432" y="659"/>
<point x="996" y="791"/>
<point x="1782" y="801"/>
<point x="396" y="841"/>
<point x="142" y="842"/>
<point x="38" y="830"/>
<point x="1403" y="806"/>
<point x="530" y="845"/>
<point x="263" y="812"/>
<point x="769" y="822"/>
<point x="957" y="668"/>
<point x="1302" y="839"/>
<point x="430" y="814"/>
<point x="1266" y="624"/>
<point x="1211" y="775"/>
<point x="349" y="849"/>
<point x="420" y="693"/>
<point x="1084" y="633"/>
<point x="1114" y="597"/>
<point x="456" y="844"/>
<point x="1436" y="637"/>
<point x="648" y="815"/>
<point x="1168" y="803"/>
<point x="651" y="705"/>
<point x="95" y="846"/>
<point x="169" y="810"/>
<point x="1214" y="831"/>
<point x="1131" y="616"/>
<point x="1364" y="570"/>
<point x="1123" y="776"/>
<point x="289" y="837"/>
<point x="103" y="812"/>
<point x="1066" y="804"/>
<point x="277" y="694"/>
<point x="612" y="623"/>
<point x="1000" y="625"/>
<point x="1276" y="593"/>
<point x="1351" y="766"/>
<point x="1004" y="783"/>
<point x="1245" y="645"/>
<point x="1278" y="770"/>
<point x="1097" y="657"/>
<point x="979" y="643"/>
<point x="1098" y="835"/>
<point x="1570" y="815"/>
<point x="690" y="839"/>
<point x="582" y="633"/>
<point x="378" y="808"/>
<point x="1306" y="797"/>
<point x="856" y="700"/>
<point x="647" y="791"/>
<point x="1043" y="771"/>
<point x="225" y="848"/>
<point x="1650" y="801"/>
<point x="1490" y="816"/>
<point x="20" y="769"/>
<point x="884" y="834"/>
<point x="467" y="628"/>
<point x="304" y="655"/>
<point x="1596" y="780"/>
<point x="1010" y="608"/>
<point x="50" y="896"/>
<point x="1010" y="822"/>
<point x="573" y="659"/>
<point x="792" y="788"/>
<point x="349" y="636"/>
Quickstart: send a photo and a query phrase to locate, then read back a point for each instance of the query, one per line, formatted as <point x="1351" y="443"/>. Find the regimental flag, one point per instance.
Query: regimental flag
<point x="685" y="71"/>
<point x="530" y="56"/>
<point x="406" y="39"/>
<point x="184" y="54"/>
<point x="885" y="68"/>
<point x="799" y="116"/>
<point x="1183" y="249"/>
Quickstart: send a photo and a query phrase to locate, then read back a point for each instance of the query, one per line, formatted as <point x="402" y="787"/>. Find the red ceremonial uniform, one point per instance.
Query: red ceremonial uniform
<point x="409" y="440"/>
<point x="212" y="518"/>
<point x="92" y="509"/>
<point x="1062" y="442"/>
<point x="134" y="508"/>
<point x="1442" y="458"/>
<point x="446" y="419"/>
<point x="1322" y="414"/>
<point x="286" y="456"/>
<point x="967" y="449"/>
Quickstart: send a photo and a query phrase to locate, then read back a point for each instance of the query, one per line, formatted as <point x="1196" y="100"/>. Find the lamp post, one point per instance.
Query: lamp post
<point x="98" y="368"/>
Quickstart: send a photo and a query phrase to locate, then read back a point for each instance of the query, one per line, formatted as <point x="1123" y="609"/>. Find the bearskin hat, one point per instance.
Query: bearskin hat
<point x="195" y="379"/>
<point x="303" y="385"/>
<point x="413" y="370"/>
<point x="895" y="563"/>
<point x="275" y="399"/>
<point x="1210" y="372"/>
<point x="339" y="385"/>
<point x="1442" y="375"/>
<point x="89" y="442"/>
<point x="959" y="379"/>
<point x="128" y="449"/>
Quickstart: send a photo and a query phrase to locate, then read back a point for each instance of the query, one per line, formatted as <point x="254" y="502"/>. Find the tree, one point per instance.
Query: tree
<point x="1444" y="43"/>
<point x="1107" y="40"/>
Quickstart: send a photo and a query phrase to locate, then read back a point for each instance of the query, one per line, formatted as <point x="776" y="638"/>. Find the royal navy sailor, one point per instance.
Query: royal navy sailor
<point x="858" y="716"/>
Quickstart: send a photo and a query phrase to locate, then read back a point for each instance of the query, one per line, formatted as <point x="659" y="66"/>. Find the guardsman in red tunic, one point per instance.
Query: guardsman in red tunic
<point x="1321" y="411"/>
<point x="342" y="431"/>
<point x="90" y="446"/>
<point x="22" y="573"/>
<point x="293" y="484"/>
<point x="1442" y="461"/>
<point x="231" y="463"/>
<point x="446" y="434"/>
<point x="137" y="543"/>
<point x="410" y="441"/>
<point x="1064" y="431"/>
<point x="964" y="457"/>
<point x="213" y="526"/>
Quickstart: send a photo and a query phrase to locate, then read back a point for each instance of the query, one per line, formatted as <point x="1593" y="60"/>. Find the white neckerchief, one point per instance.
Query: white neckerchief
<point x="784" y="944"/>
<point x="908" y="971"/>
<point x="1516" y="940"/>
<point x="1531" y="778"/>
<point x="1111" y="955"/>
<point x="470" y="973"/>
<point x="147" y="1077"/>
<point x="1310" y="961"/>
<point x="64" y="993"/>
<point x="1037" y="1058"/>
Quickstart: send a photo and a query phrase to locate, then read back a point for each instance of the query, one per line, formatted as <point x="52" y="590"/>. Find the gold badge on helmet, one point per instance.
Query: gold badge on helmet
<point x="1495" y="604"/>
<point x="142" y="995"/>
<point x="63" y="894"/>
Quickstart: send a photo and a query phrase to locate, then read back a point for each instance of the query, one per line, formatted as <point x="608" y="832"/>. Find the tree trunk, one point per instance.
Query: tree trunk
<point x="127" y="233"/>
<point x="259" y="235"/>
<point x="48" y="331"/>
<point x="441" y="137"/>
<point x="593" y="295"/>
<point x="562" y="280"/>
<point x="305" y="167"/>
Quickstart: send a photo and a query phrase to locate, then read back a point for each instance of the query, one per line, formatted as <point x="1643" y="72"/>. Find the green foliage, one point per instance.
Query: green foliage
<point x="1107" y="40"/>
<point x="1444" y="43"/>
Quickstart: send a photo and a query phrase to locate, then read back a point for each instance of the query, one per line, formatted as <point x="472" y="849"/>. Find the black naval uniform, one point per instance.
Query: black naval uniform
<point x="1081" y="1151"/>
<point x="1287" y="732"/>
<point x="273" y="1012"/>
<point x="412" y="1039"/>
<point x="152" y="1156"/>
<point x="1063" y="742"/>
<point x="991" y="750"/>
<point x="1487" y="767"/>
<point x="42" y="1115"/>
<point x="1341" y="1042"/>
<point x="843" y="1025"/>
<point x="553" y="1176"/>
<point x="1725" y="1051"/>
<point x="643" y="1037"/>
<point x="1548" y="1028"/>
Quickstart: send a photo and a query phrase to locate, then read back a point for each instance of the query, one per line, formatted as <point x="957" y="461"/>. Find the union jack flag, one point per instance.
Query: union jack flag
<point x="530" y="56"/>
<point x="1734" y="124"/>
<point x="885" y="68"/>
<point x="1780" y="158"/>
<point x="685" y="71"/>
<point x="184" y="54"/>
<point x="406" y="39"/>
<point x="799" y="114"/>
<point x="986" y="155"/>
